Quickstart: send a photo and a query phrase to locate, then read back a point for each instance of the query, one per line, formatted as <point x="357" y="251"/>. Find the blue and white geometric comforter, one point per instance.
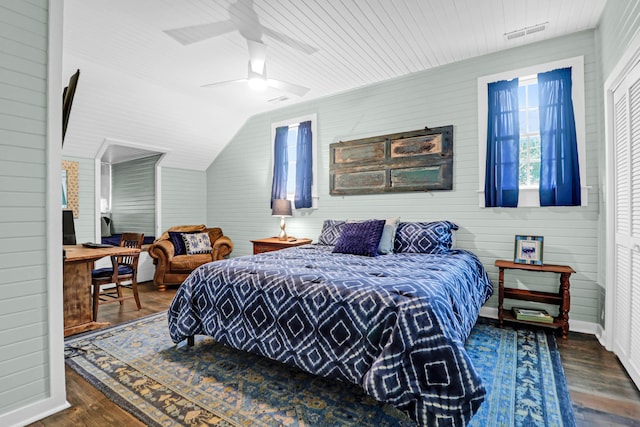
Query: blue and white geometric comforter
<point x="394" y="324"/>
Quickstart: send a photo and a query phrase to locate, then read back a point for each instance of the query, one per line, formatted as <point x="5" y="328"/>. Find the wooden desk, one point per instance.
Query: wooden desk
<point x="77" y="285"/>
<point x="274" y="244"/>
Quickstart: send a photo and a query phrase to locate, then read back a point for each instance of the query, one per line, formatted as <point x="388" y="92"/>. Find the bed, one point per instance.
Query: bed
<point x="394" y="324"/>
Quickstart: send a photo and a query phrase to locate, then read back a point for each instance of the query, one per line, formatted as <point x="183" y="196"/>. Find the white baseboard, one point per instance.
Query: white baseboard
<point x="32" y="413"/>
<point x="574" y="325"/>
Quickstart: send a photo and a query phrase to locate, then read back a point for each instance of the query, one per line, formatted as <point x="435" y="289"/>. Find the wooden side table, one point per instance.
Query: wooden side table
<point x="274" y="244"/>
<point x="561" y="299"/>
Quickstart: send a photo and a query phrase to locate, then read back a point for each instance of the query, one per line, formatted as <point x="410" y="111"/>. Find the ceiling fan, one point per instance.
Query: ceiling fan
<point x="244" y="19"/>
<point x="257" y="73"/>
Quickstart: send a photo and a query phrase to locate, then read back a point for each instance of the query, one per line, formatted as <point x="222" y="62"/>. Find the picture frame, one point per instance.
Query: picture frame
<point x="70" y="188"/>
<point x="528" y="250"/>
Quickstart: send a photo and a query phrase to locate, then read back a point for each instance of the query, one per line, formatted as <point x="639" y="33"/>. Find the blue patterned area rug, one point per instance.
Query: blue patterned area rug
<point x="138" y="367"/>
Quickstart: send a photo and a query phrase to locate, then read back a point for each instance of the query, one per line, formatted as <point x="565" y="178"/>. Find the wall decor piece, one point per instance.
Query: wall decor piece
<point x="70" y="189"/>
<point x="418" y="160"/>
<point x="528" y="250"/>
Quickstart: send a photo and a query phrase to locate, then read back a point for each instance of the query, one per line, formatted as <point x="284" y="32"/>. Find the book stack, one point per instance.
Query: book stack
<point x="532" y="315"/>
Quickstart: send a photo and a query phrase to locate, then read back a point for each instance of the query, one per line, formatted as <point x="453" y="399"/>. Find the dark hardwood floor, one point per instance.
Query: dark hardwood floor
<point x="601" y="391"/>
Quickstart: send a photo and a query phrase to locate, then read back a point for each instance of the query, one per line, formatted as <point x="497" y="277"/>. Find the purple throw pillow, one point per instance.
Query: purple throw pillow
<point x="360" y="238"/>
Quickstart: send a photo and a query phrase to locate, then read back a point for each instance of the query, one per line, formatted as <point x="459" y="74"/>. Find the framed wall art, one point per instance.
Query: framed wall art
<point x="418" y="160"/>
<point x="70" y="190"/>
<point x="528" y="250"/>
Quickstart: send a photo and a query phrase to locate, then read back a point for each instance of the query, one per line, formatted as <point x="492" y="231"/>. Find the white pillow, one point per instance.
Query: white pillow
<point x="197" y="243"/>
<point x="388" y="236"/>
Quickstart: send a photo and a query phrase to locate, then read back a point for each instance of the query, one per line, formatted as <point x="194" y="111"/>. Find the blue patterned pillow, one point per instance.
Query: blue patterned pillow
<point x="331" y="230"/>
<point x="197" y="243"/>
<point x="360" y="238"/>
<point x="424" y="237"/>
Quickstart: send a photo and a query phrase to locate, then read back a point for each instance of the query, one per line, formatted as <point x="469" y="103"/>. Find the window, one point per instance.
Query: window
<point x="529" y="122"/>
<point x="292" y="140"/>
<point x="291" y="174"/>
<point x="529" y="176"/>
<point x="105" y="187"/>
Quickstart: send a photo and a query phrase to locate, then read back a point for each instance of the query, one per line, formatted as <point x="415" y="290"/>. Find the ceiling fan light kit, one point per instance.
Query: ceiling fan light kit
<point x="252" y="30"/>
<point x="257" y="83"/>
<point x="257" y="80"/>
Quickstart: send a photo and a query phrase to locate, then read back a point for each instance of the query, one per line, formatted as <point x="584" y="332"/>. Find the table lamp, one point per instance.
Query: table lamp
<point x="281" y="208"/>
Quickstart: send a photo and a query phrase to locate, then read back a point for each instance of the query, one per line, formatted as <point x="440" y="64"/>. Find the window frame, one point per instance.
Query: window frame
<point x="314" y="144"/>
<point x="529" y="196"/>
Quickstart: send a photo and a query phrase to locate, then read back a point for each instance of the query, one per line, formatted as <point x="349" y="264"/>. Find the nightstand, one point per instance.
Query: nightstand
<point x="562" y="298"/>
<point x="274" y="244"/>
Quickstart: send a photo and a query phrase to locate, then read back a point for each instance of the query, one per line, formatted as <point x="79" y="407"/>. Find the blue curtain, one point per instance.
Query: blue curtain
<point x="503" y="145"/>
<point x="280" y="165"/>
<point x="304" y="165"/>
<point x="559" y="171"/>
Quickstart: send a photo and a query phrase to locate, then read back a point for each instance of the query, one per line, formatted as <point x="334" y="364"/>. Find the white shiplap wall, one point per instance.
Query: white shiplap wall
<point x="25" y="339"/>
<point x="184" y="197"/>
<point x="446" y="95"/>
<point x="619" y="23"/>
<point x="133" y="193"/>
<point x="118" y="105"/>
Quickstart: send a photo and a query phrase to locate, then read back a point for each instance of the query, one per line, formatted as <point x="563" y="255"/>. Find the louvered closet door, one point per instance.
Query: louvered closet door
<point x="627" y="223"/>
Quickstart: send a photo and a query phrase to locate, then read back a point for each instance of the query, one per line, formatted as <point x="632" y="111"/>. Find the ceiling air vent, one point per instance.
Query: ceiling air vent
<point x="278" y="100"/>
<point x="536" y="29"/>
<point x="515" y="34"/>
<point x="521" y="32"/>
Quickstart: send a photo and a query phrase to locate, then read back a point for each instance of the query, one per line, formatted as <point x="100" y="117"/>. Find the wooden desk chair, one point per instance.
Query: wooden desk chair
<point x="124" y="268"/>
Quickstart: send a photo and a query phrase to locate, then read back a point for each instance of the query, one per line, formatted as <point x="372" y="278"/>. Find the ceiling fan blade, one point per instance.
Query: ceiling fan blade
<point x="288" y="87"/>
<point x="257" y="56"/>
<point x="226" y="82"/>
<point x="296" y="44"/>
<point x="196" y="33"/>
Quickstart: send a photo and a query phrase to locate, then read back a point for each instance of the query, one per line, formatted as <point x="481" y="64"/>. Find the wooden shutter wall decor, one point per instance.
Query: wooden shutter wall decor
<point x="418" y="160"/>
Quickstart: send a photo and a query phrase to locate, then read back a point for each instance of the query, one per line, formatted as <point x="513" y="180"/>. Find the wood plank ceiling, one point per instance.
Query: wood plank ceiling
<point x="357" y="42"/>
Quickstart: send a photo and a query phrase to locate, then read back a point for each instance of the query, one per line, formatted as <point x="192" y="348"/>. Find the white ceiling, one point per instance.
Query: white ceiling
<point x="358" y="42"/>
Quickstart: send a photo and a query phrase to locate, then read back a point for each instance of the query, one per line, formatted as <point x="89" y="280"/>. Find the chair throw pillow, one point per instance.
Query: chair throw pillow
<point x="424" y="237"/>
<point x="178" y="242"/>
<point x="331" y="230"/>
<point x="197" y="243"/>
<point x="360" y="238"/>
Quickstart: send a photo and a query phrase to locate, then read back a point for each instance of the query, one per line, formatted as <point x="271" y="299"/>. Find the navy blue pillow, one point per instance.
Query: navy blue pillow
<point x="424" y="237"/>
<point x="178" y="243"/>
<point x="360" y="238"/>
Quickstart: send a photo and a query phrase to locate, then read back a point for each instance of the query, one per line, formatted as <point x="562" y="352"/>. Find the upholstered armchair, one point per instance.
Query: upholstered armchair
<point x="175" y="258"/>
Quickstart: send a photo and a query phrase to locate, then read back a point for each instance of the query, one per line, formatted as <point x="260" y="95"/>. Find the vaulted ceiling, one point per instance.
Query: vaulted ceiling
<point x="327" y="46"/>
